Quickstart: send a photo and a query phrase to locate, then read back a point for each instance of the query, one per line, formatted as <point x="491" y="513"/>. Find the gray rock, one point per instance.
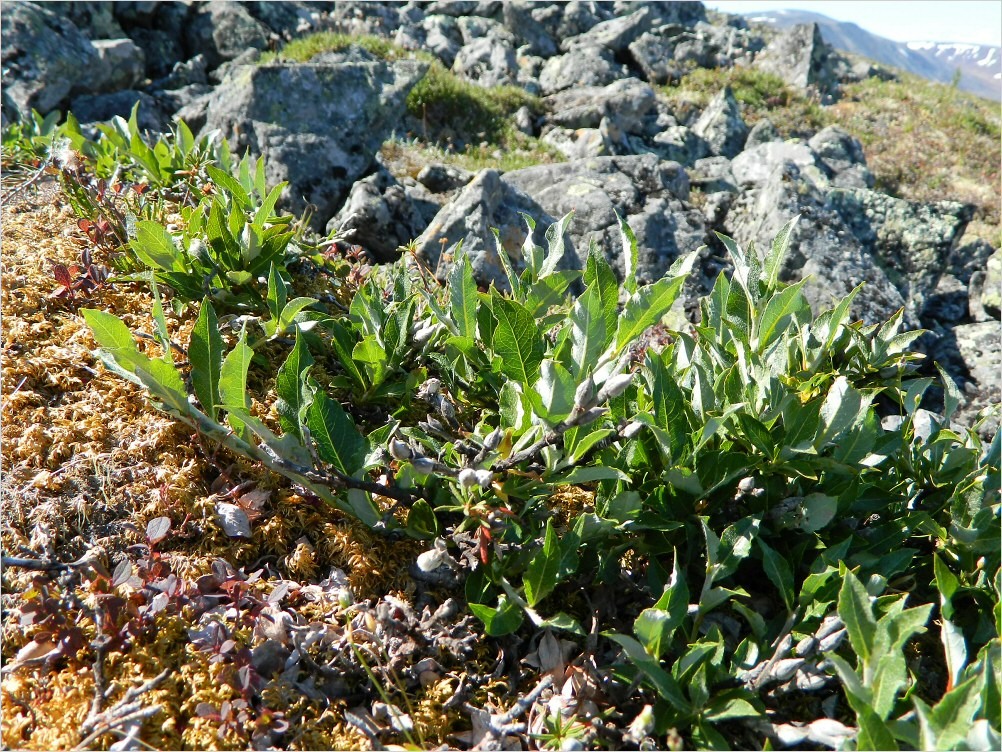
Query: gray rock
<point x="184" y="74"/>
<point x="287" y="19"/>
<point x="487" y="202"/>
<point x="756" y="165"/>
<point x="489" y="61"/>
<point x="822" y="248"/>
<point x="121" y="64"/>
<point x="628" y="100"/>
<point x="320" y="125"/>
<point x="564" y="20"/>
<point x="616" y="34"/>
<point x="762" y="133"/>
<point x="842" y="154"/>
<point x="715" y="208"/>
<point x="381" y="215"/>
<point x="439" y="35"/>
<point x="96" y="20"/>
<point x="948" y="303"/>
<point x="523" y="120"/>
<point x="801" y="58"/>
<point x="653" y="52"/>
<point x="527" y="30"/>
<point x="223" y="30"/>
<point x="713" y="175"/>
<point x="682" y="12"/>
<point x="96" y="108"/>
<point x="695" y="51"/>
<point x="577" y="143"/>
<point x="969" y="258"/>
<point x="464" y="7"/>
<point x="648" y="193"/>
<point x="984" y="291"/>
<point x="676" y="143"/>
<point x="440" y="178"/>
<point x="131" y="13"/>
<point x="972" y="353"/>
<point x="722" y="126"/>
<point x="44" y="57"/>
<point x="588" y="66"/>
<point x="911" y="240"/>
<point x="161" y="49"/>
<point x="380" y="18"/>
<point x="474" y="27"/>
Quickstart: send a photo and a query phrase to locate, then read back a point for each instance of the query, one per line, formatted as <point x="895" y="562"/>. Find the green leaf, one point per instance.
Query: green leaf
<point x="267" y="208"/>
<point x="291" y="387"/>
<point x="292" y="309"/>
<point x="233" y="381"/>
<point x="777" y="569"/>
<point x="161" y="333"/>
<point x="344" y="342"/>
<point x="600" y="274"/>
<point x="109" y="331"/>
<point x="278" y="293"/>
<point x="646" y="307"/>
<point x="554" y="245"/>
<point x="660" y="679"/>
<point x="165" y="384"/>
<point x="890" y="676"/>
<point x="873" y="732"/>
<point x="778" y="313"/>
<point x="954" y="714"/>
<point x="857" y="615"/>
<point x="500" y="621"/>
<point x="552" y="396"/>
<point x="655" y="626"/>
<point x="630" y="255"/>
<point x="513" y="282"/>
<point x="421" y="521"/>
<point x="774" y="261"/>
<point x="517" y="341"/>
<point x="463" y="295"/>
<point x="669" y="406"/>
<point x="544" y="570"/>
<point x="588" y="333"/>
<point x="231" y="184"/>
<point x="338" y="441"/>
<point x="205" y="351"/>
<point x="590" y="475"/>
<point x="154" y="246"/>
<point x="843" y="409"/>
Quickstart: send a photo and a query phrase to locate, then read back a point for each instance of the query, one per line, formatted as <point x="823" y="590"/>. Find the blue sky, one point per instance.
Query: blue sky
<point x="964" y="21"/>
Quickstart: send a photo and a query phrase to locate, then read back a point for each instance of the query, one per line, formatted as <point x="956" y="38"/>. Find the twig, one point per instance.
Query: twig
<point x="126" y="711"/>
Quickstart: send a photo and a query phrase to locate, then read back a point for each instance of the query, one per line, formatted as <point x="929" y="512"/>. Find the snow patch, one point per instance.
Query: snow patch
<point x="989" y="58"/>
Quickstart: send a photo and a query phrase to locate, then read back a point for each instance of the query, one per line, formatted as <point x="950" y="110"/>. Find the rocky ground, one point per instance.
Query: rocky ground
<point x="421" y="124"/>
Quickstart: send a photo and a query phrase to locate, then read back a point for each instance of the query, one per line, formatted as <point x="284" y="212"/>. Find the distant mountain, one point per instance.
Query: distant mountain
<point x="980" y="66"/>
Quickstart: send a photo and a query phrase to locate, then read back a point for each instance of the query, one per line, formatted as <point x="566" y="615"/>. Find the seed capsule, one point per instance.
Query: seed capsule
<point x="399" y="450"/>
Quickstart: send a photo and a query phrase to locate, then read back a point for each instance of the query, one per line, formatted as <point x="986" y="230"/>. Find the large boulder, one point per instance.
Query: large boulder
<point x="616" y="34"/>
<point x="653" y="52"/>
<point x="647" y="192"/>
<point x="487" y="60"/>
<point x="587" y="66"/>
<point x="121" y="64"/>
<point x="722" y="126"/>
<point x="565" y="20"/>
<point x="486" y="202"/>
<point x="223" y="30"/>
<point x="527" y="30"/>
<point x="628" y="101"/>
<point x="801" y="58"/>
<point x="45" y="57"/>
<point x="756" y="165"/>
<point x="911" y="240"/>
<point x="822" y="248"/>
<point x="320" y="124"/>
<point x="842" y="153"/>
<point x="437" y="34"/>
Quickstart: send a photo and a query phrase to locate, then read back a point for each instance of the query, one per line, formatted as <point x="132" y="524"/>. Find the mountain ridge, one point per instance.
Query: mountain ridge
<point x="980" y="66"/>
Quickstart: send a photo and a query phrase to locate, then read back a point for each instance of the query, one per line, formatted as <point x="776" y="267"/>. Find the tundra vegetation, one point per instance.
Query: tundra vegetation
<point x="395" y="507"/>
<point x="743" y="532"/>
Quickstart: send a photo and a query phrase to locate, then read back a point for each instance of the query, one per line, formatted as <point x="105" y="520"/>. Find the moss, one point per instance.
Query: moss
<point x="305" y="48"/>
